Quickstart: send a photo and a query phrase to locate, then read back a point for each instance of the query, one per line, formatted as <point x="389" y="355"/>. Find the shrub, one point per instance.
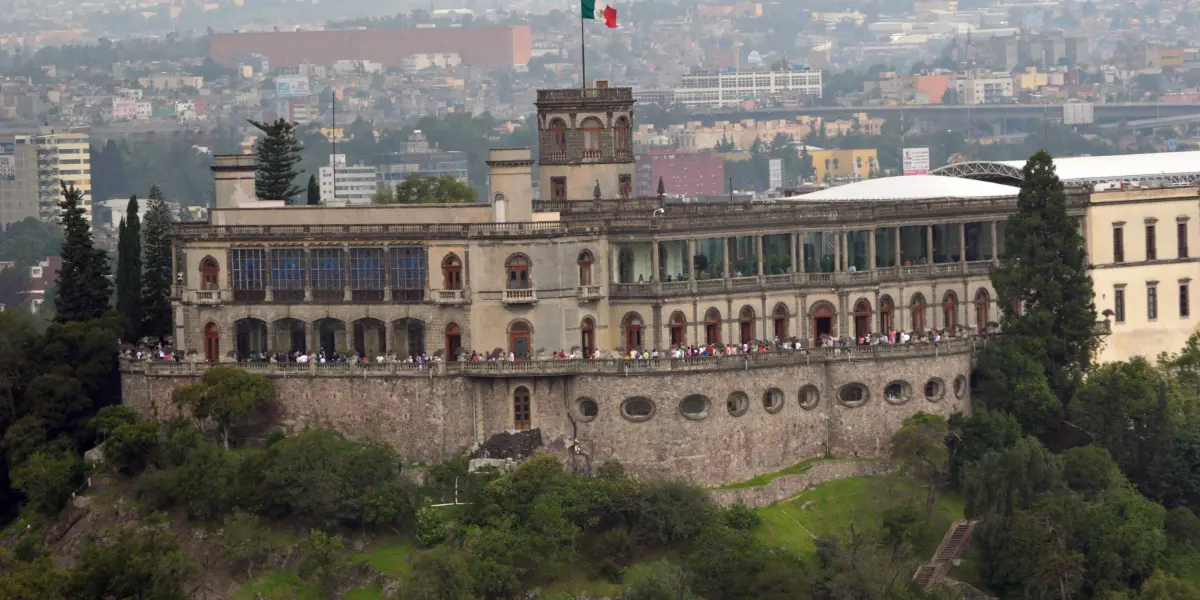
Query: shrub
<point x="207" y="482"/>
<point x="180" y="437"/>
<point x="740" y="516"/>
<point x="133" y="563"/>
<point x="130" y="446"/>
<point x="670" y="512"/>
<point x="156" y="489"/>
<point x="1183" y="526"/>
<point x="110" y="417"/>
<point x="431" y="526"/>
<point x="322" y="560"/>
<point x="48" y="478"/>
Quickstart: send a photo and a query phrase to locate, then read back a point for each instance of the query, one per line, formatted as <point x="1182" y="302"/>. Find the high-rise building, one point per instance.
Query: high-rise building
<point x="18" y="179"/>
<point x="348" y="184"/>
<point x="419" y="158"/>
<point x="723" y="88"/>
<point x="62" y="158"/>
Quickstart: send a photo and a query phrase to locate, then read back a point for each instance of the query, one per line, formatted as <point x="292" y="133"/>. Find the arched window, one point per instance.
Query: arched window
<point x="678" y="329"/>
<point x="585" y="268"/>
<point x="593" y="129"/>
<point x="453" y="341"/>
<point x="823" y="323"/>
<point x="983" y="303"/>
<point x="587" y="337"/>
<point x="886" y="322"/>
<point x="862" y="318"/>
<point x="950" y="311"/>
<point x="625" y="265"/>
<point x="621" y="138"/>
<point x="780" y="318"/>
<point x="517" y="267"/>
<point x="210" y="274"/>
<point x="712" y="326"/>
<point x="632" y="327"/>
<point x="522" y="411"/>
<point x="558" y="136"/>
<point x="746" y="324"/>
<point x="452" y="272"/>
<point x="520" y="339"/>
<point x="917" y="307"/>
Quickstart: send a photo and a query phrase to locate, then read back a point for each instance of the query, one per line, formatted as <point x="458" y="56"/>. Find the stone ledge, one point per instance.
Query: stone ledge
<point x="789" y="486"/>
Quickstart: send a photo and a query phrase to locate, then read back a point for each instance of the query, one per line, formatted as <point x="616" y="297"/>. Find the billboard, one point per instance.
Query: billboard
<point x="292" y="86"/>
<point x="916" y="161"/>
<point x="8" y="161"/>
<point x="776" y="173"/>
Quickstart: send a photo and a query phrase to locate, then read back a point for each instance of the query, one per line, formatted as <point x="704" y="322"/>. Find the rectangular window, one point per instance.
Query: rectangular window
<point x="409" y="273"/>
<point x="558" y="188"/>
<point x="1181" y="234"/>
<point x="248" y="274"/>
<point x="1151" y="244"/>
<point x="1185" y="308"/>
<point x="1118" y="245"/>
<point x="626" y="182"/>
<point x="1151" y="302"/>
<point x="328" y="274"/>
<point x="287" y="275"/>
<point x="366" y="274"/>
<point x="1119" y="305"/>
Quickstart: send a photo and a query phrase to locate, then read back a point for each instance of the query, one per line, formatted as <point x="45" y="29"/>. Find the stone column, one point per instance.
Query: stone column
<point x="871" y="253"/>
<point x="691" y="266"/>
<point x="654" y="261"/>
<point x="837" y="252"/>
<point x="929" y="244"/>
<point x="897" y="244"/>
<point x="725" y="258"/>
<point x="995" y="258"/>
<point x="346" y="293"/>
<point x="800" y="251"/>
<point x="962" y="242"/>
<point x="758" y="243"/>
<point x="792" y="241"/>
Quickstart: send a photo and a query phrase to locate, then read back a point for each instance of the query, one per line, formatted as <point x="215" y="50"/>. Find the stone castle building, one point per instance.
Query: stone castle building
<point x="594" y="268"/>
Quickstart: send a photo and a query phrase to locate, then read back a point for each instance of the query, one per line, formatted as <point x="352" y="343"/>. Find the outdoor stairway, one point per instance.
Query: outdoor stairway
<point x="957" y="537"/>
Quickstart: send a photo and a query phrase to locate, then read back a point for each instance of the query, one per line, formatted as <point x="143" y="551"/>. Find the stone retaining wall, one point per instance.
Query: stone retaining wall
<point x="789" y="486"/>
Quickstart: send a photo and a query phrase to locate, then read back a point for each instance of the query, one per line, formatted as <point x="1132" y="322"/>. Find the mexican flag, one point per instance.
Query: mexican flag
<point x="599" y="11"/>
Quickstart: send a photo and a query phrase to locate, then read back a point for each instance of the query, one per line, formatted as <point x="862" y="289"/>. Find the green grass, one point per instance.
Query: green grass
<point x="371" y="593"/>
<point x="279" y="585"/>
<point x="796" y="469"/>
<point x="392" y="558"/>
<point x="835" y="506"/>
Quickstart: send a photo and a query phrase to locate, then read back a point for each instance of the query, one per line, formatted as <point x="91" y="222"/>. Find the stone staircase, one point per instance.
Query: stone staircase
<point x="954" y="543"/>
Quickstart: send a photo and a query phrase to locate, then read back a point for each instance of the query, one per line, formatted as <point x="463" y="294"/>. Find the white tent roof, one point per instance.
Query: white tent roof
<point x="1121" y="165"/>
<point x="911" y="187"/>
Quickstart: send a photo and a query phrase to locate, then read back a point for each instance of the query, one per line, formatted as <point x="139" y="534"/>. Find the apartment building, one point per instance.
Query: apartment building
<point x="354" y="184"/>
<point x="62" y="157"/>
<point x="725" y="88"/>
<point x="18" y="179"/>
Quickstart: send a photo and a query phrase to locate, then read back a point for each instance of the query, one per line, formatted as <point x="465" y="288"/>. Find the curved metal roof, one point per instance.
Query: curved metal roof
<point x="910" y="187"/>
<point x="1170" y="168"/>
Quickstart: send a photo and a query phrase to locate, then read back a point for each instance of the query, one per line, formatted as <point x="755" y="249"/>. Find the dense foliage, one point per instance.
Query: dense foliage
<point x="426" y="189"/>
<point x="83" y="284"/>
<point x="156" y="268"/>
<point x="277" y="153"/>
<point x="129" y="271"/>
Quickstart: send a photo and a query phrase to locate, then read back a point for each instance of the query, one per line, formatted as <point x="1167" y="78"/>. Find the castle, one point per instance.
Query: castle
<point x="594" y="269"/>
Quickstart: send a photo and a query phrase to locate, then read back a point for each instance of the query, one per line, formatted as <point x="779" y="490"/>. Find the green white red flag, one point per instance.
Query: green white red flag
<point x="599" y="11"/>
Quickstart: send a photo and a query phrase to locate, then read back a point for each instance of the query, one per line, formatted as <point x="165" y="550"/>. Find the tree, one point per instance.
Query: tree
<point x="1090" y="471"/>
<point x="144" y="563"/>
<point x="83" y="285"/>
<point x="227" y="396"/>
<point x="425" y="189"/>
<point x="37" y="578"/>
<point x="322" y="561"/>
<point x="1042" y="279"/>
<point x="277" y="155"/>
<point x="314" y="191"/>
<point x="131" y="446"/>
<point x="1002" y="482"/>
<point x="975" y="435"/>
<point x="659" y="580"/>
<point x="47" y="478"/>
<point x="1014" y="381"/>
<point x="440" y="574"/>
<point x="156" y="269"/>
<point x="1161" y="586"/>
<point x="129" y="271"/>
<point x="920" y="446"/>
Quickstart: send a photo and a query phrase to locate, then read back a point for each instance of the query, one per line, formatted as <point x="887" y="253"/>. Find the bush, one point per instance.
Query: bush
<point x="671" y="512"/>
<point x="133" y="563"/>
<point x="48" y="478"/>
<point x="322" y="560"/>
<point x="431" y="526"/>
<point x="156" y="489"/>
<point x="111" y="417"/>
<point x="207" y="482"/>
<point x="1183" y="526"/>
<point x="131" y="446"/>
<point x="245" y="543"/>
<point x="1089" y="470"/>
<point x="740" y="516"/>
<point x="180" y="437"/>
<point x="660" y="580"/>
<point x="440" y="574"/>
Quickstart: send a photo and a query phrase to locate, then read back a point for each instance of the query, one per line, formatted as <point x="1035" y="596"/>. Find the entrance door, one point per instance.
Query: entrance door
<point x="328" y="340"/>
<point x="519" y="340"/>
<point x="587" y="338"/>
<point x="299" y="339"/>
<point x="633" y="336"/>
<point x="453" y="342"/>
<point x="212" y="343"/>
<point x="822" y="326"/>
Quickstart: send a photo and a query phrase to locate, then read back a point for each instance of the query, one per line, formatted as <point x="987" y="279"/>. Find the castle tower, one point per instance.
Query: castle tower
<point x="585" y="142"/>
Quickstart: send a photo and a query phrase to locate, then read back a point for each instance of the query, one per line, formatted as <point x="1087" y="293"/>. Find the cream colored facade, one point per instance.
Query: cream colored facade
<point x="66" y="158"/>
<point x="1146" y="279"/>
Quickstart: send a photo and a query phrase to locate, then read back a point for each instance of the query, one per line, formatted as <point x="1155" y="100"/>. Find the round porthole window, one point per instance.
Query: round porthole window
<point x="773" y="400"/>
<point x="853" y="395"/>
<point x="637" y="409"/>
<point x="934" y="389"/>
<point x="738" y="403"/>
<point x="897" y="392"/>
<point x="586" y="410"/>
<point x="810" y="397"/>
<point x="694" y="407"/>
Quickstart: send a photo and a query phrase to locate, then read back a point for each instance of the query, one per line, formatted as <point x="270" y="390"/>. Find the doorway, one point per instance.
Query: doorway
<point x="212" y="343"/>
<point x="822" y="322"/>
<point x="519" y="339"/>
<point x="453" y="341"/>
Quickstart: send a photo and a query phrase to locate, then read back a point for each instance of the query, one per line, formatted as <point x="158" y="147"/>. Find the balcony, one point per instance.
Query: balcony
<point x="450" y="297"/>
<point x="520" y="296"/>
<point x="589" y="293"/>
<point x="206" y="297"/>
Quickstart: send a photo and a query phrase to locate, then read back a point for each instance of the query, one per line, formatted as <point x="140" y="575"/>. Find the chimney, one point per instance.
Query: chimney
<point x="510" y="174"/>
<point x="234" y="176"/>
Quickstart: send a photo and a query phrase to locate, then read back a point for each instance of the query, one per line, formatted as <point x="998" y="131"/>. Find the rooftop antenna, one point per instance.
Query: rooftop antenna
<point x="333" y="136"/>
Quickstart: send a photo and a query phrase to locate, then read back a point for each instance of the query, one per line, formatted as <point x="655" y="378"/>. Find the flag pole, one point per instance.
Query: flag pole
<point x="582" y="53"/>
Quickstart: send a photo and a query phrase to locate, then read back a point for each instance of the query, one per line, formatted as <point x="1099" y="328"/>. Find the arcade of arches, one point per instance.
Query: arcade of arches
<point x="366" y="337"/>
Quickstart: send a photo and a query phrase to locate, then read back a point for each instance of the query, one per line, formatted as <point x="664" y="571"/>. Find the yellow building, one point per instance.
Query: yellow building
<point x="852" y="164"/>
<point x="66" y="158"/>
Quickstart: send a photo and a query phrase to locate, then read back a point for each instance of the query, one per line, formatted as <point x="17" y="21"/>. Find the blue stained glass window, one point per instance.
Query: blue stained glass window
<point x="328" y="268"/>
<point x="366" y="268"/>
<point x="408" y="268"/>
<point x="248" y="268"/>
<point x="287" y="268"/>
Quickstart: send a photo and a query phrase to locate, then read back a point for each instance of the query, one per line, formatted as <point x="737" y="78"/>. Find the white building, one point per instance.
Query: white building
<point x="145" y="110"/>
<point x="986" y="89"/>
<point x="420" y="62"/>
<point x="118" y="210"/>
<point x="723" y="88"/>
<point x="354" y="185"/>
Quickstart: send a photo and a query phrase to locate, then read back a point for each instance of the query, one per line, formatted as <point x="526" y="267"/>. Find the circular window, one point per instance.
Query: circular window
<point x="897" y="392"/>
<point x="586" y="410"/>
<point x="773" y="400"/>
<point x="810" y="397"/>
<point x="738" y="403"/>
<point x="960" y="386"/>
<point x="853" y="395"/>
<point x="637" y="409"/>
<point x="934" y="390"/>
<point x="694" y="407"/>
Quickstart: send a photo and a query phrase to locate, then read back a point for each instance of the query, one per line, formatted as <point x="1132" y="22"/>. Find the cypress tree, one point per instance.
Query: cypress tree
<point x="277" y="154"/>
<point x="129" y="271"/>
<point x="314" y="191"/>
<point x="1043" y="272"/>
<point x="156" y="269"/>
<point x="84" y="288"/>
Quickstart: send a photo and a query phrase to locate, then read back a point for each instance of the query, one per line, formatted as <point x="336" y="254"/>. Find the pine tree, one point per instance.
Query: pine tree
<point x="129" y="271"/>
<point x="314" y="191"/>
<point x="83" y="285"/>
<point x="277" y="153"/>
<point x="156" y="269"/>
<point x="1042" y="280"/>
